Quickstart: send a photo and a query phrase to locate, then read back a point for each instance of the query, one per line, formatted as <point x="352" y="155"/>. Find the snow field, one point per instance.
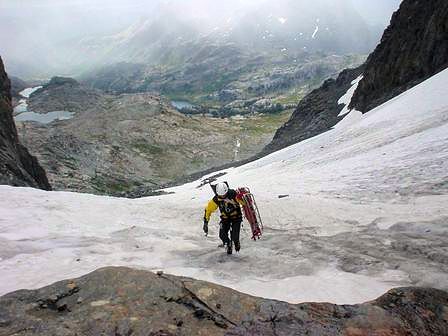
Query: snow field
<point x="357" y="195"/>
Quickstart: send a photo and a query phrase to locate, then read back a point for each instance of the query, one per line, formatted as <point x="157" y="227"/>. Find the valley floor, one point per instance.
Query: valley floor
<point x="117" y="144"/>
<point x="365" y="211"/>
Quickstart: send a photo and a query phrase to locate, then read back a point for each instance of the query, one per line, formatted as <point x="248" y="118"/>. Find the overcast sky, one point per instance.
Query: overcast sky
<point x="67" y="19"/>
<point x="374" y="11"/>
<point x="30" y="26"/>
<point x="73" y="18"/>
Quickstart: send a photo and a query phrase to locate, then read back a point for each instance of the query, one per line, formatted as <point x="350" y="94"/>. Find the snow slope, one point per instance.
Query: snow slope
<point x="366" y="211"/>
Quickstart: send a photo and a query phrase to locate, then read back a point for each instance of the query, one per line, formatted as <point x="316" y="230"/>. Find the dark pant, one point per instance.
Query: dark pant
<point x="226" y="225"/>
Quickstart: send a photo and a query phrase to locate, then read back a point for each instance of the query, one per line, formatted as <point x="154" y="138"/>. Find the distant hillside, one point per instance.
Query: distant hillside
<point x="327" y="26"/>
<point x="113" y="143"/>
<point x="226" y="80"/>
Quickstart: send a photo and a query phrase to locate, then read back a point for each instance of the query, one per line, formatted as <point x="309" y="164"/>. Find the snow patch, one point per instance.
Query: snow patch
<point x="347" y="98"/>
<point x="29" y="91"/>
<point x="237" y="149"/>
<point x="315" y="32"/>
<point x="23" y="103"/>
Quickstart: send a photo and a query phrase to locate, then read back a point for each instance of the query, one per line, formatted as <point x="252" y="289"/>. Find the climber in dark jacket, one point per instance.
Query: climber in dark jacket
<point x="228" y="203"/>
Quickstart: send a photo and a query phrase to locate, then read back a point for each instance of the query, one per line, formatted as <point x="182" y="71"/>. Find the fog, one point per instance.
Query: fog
<point x="37" y="34"/>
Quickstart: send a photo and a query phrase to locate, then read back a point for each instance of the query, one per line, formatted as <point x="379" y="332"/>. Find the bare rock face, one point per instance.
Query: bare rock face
<point x="413" y="48"/>
<point x="316" y="113"/>
<point x="123" y="301"/>
<point x="17" y="166"/>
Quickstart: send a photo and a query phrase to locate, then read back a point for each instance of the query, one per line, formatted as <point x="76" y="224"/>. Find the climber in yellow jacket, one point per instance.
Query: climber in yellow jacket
<point x="228" y="202"/>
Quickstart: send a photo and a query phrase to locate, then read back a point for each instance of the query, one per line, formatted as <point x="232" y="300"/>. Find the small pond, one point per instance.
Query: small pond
<point x="44" y="118"/>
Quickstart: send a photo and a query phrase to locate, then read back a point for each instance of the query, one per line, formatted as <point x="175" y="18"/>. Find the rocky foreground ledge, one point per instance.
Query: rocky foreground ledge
<point x="122" y="302"/>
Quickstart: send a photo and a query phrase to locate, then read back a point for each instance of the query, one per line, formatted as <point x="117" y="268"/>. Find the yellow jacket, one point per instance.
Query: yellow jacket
<point x="229" y="206"/>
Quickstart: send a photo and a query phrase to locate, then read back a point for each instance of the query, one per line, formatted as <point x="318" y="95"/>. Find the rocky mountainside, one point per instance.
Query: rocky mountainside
<point x="114" y="143"/>
<point x="413" y="48"/>
<point x="122" y="301"/>
<point x="17" y="166"/>
<point x="316" y="113"/>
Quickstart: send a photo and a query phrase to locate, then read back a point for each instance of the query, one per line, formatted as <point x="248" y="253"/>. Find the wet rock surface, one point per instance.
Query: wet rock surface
<point x="123" y="301"/>
<point x="413" y="48"/>
<point x="17" y="166"/>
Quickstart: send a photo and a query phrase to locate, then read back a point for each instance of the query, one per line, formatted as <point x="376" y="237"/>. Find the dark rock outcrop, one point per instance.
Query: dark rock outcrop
<point x="413" y="48"/>
<point x="123" y="301"/>
<point x="17" y="166"/>
<point x="64" y="94"/>
<point x="56" y="81"/>
<point x="316" y="113"/>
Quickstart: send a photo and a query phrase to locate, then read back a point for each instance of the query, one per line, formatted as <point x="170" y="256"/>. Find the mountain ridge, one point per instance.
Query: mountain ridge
<point x="413" y="48"/>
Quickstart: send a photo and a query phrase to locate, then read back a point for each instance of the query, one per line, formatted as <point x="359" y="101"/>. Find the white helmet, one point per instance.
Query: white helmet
<point x="222" y="189"/>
